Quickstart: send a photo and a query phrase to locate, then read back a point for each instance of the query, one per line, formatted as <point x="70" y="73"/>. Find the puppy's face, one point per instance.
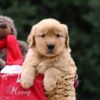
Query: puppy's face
<point x="49" y="37"/>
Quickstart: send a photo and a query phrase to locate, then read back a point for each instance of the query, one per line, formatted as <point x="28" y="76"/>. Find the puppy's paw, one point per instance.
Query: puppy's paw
<point x="26" y="81"/>
<point x="41" y="68"/>
<point x="49" y="84"/>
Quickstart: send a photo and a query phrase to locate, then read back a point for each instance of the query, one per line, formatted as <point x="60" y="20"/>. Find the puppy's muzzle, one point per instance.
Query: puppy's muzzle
<point x="50" y="47"/>
<point x="3" y="26"/>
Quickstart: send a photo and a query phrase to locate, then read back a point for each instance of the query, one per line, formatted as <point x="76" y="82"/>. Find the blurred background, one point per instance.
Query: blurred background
<point x="83" y="20"/>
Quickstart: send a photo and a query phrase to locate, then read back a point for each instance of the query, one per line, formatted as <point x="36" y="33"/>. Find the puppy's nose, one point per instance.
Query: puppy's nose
<point x="3" y="26"/>
<point x="50" y="46"/>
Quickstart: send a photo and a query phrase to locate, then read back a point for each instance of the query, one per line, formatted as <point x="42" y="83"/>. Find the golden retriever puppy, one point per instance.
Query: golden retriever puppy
<point x="48" y="54"/>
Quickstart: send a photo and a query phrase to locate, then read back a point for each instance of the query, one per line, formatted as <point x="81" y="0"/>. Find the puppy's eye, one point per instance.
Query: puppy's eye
<point x="43" y="35"/>
<point x="58" y="35"/>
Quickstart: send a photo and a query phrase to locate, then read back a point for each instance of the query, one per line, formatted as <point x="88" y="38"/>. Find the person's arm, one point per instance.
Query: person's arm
<point x="14" y="56"/>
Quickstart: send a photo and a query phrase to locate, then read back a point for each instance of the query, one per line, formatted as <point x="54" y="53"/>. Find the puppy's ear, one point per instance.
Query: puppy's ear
<point x="67" y="37"/>
<point x="30" y="38"/>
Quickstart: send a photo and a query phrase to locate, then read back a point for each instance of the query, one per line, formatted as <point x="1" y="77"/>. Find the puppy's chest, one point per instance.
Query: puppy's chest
<point x="45" y="64"/>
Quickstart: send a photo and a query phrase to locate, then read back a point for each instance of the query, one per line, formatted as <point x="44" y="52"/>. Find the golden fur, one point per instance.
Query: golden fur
<point x="53" y="64"/>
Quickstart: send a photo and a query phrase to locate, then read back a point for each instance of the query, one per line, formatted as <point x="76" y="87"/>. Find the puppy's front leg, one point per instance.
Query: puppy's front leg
<point x="28" y="71"/>
<point x="27" y="77"/>
<point x="51" y="77"/>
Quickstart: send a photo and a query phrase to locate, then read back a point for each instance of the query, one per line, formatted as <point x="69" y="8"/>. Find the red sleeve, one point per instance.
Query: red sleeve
<point x="3" y="43"/>
<point x="14" y="56"/>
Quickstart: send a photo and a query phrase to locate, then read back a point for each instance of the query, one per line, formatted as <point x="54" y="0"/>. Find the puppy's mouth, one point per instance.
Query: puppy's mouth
<point x="50" y="48"/>
<point x="50" y="52"/>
